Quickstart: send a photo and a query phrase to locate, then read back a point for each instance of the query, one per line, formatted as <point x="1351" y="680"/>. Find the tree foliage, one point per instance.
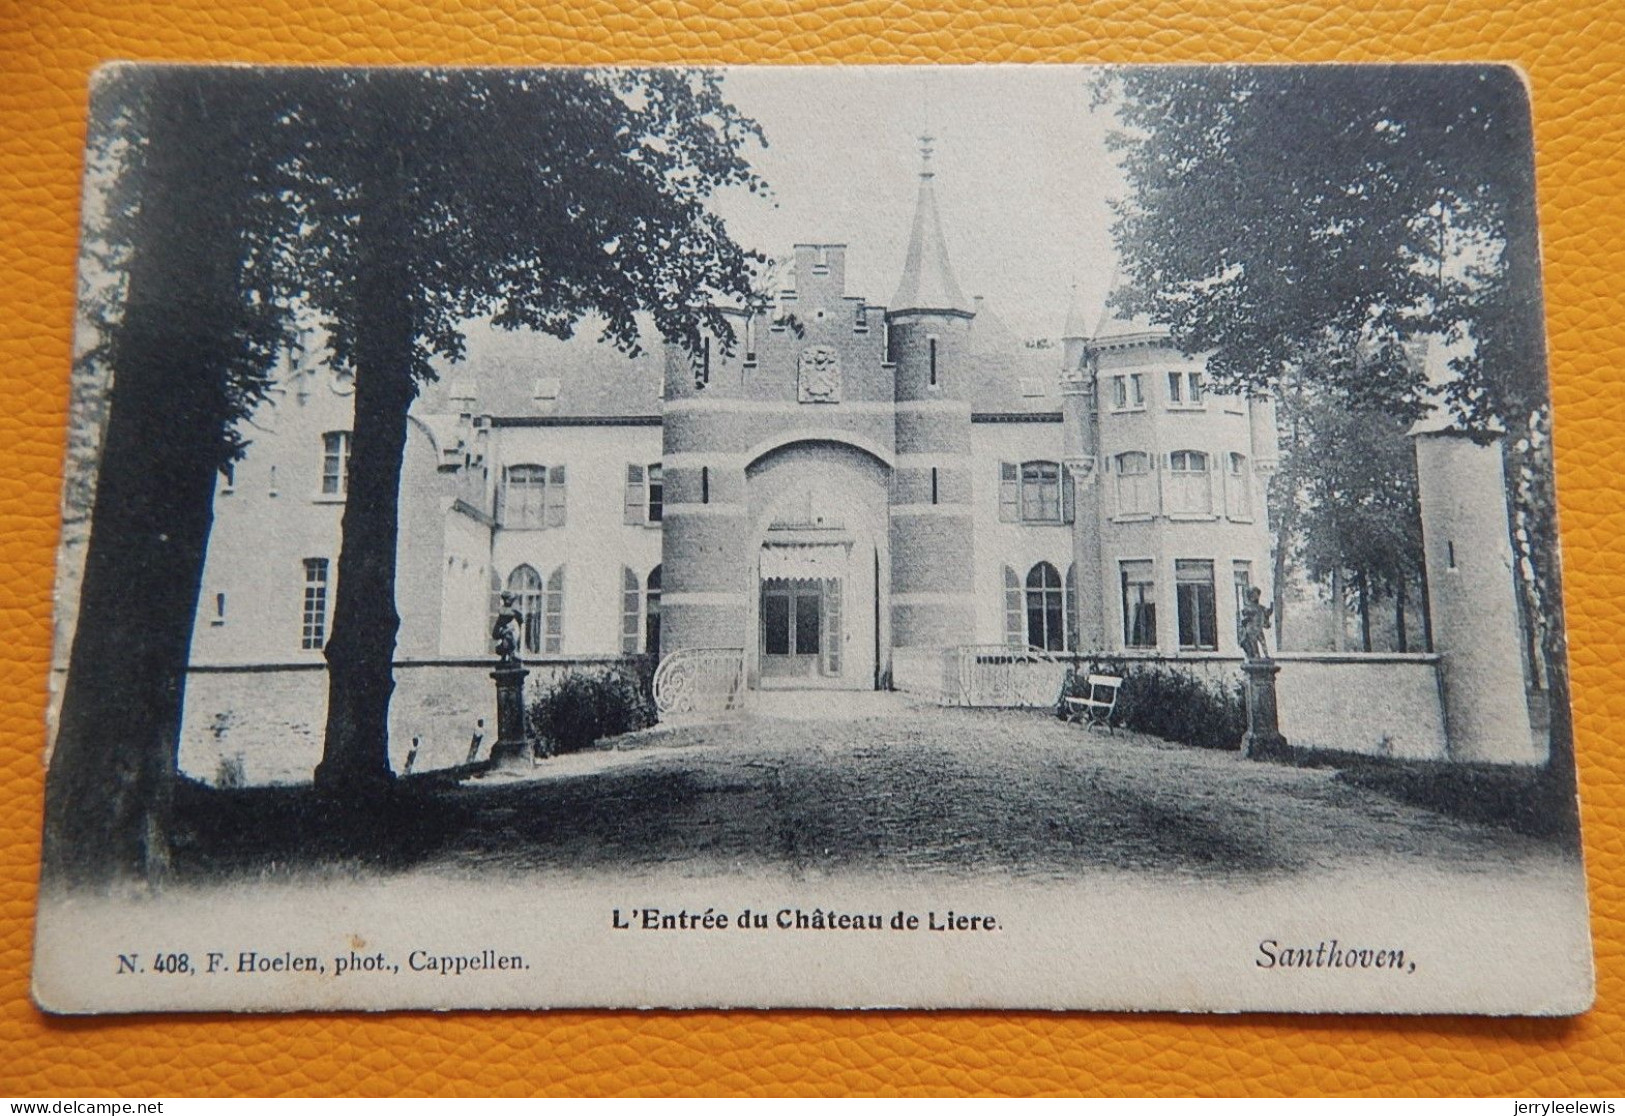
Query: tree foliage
<point x="394" y="205"/>
<point x="1278" y="216"/>
<point x="1273" y="212"/>
<point x="530" y="198"/>
<point x="1360" y="512"/>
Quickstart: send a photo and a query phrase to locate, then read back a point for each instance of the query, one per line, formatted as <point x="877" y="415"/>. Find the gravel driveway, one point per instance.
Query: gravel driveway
<point x="906" y="786"/>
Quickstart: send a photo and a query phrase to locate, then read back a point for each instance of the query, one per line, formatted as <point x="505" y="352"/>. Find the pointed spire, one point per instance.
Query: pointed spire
<point x="1077" y="320"/>
<point x="928" y="281"/>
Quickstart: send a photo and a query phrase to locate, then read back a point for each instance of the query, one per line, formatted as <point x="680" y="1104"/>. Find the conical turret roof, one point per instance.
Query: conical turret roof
<point x="1077" y="318"/>
<point x="1116" y="326"/>
<point x="928" y="281"/>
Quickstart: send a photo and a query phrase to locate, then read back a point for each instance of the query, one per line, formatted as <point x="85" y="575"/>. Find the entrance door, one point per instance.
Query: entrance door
<point x="793" y="624"/>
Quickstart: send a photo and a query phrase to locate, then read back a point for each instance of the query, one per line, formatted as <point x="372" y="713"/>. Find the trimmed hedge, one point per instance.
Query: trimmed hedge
<point x="1170" y="703"/>
<point x="582" y="709"/>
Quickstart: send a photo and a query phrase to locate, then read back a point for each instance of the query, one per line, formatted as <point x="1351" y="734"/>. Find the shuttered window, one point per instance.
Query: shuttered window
<point x="1014" y="617"/>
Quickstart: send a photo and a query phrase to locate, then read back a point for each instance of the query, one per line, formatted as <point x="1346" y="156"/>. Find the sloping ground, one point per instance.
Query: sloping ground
<point x="911" y="788"/>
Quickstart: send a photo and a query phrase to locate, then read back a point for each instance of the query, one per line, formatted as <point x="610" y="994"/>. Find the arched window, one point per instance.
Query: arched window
<point x="640" y="613"/>
<point x="526" y="586"/>
<point x="1190" y="489"/>
<point x="1136" y="491"/>
<point x="1238" y="489"/>
<point x="1014" y="633"/>
<point x="651" y="618"/>
<point x="1046" y="626"/>
<point x="631" y="611"/>
<point x="553" y="632"/>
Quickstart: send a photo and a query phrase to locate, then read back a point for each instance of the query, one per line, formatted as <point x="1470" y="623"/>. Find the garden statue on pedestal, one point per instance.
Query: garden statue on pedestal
<point x="505" y="631"/>
<point x="511" y="745"/>
<point x="1263" y="739"/>
<point x="1255" y="617"/>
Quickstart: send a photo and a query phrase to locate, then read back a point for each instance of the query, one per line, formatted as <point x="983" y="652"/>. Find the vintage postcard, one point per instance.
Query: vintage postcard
<point x="933" y="537"/>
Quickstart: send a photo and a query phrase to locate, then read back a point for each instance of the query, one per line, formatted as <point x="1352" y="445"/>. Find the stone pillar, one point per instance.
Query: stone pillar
<point x="512" y="744"/>
<point x="1263" y="740"/>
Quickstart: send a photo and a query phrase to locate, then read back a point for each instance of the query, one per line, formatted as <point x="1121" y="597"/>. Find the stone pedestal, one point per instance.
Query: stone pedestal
<point x="1263" y="740"/>
<point x="511" y="745"/>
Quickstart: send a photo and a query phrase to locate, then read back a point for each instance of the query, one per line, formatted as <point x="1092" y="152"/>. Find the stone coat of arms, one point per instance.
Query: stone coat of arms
<point x="820" y="375"/>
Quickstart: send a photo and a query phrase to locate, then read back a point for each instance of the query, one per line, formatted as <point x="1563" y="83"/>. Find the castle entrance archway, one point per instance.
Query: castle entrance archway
<point x="819" y="609"/>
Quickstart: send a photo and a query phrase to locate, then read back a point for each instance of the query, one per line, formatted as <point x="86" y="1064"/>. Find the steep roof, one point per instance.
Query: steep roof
<point x="1116" y="326"/>
<point x="517" y="373"/>
<point x="1009" y="375"/>
<point x="928" y="281"/>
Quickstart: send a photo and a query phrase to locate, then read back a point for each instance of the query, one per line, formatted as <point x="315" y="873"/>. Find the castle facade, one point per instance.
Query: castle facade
<point x="848" y="490"/>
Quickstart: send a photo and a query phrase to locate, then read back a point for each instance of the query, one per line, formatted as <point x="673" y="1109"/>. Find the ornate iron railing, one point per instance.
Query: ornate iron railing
<point x="1000" y="676"/>
<point x="701" y="680"/>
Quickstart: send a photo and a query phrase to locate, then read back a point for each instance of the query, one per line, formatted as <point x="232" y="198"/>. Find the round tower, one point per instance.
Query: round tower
<point x="933" y="583"/>
<point x="1183" y="531"/>
<point x="1472" y="601"/>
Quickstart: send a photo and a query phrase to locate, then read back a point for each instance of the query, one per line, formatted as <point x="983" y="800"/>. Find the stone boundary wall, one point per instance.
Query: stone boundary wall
<point x="269" y="720"/>
<point x="1378" y="704"/>
<point x="1371" y="704"/>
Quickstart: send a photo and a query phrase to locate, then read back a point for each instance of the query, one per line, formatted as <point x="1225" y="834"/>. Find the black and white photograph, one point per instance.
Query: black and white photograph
<point x="1031" y="537"/>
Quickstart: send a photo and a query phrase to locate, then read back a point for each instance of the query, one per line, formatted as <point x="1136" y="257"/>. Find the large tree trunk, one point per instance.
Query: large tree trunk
<point x="361" y="652"/>
<point x="113" y="764"/>
<point x="1526" y="371"/>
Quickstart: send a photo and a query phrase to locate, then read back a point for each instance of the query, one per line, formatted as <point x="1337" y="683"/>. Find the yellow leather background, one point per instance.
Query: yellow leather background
<point x="1572" y="52"/>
